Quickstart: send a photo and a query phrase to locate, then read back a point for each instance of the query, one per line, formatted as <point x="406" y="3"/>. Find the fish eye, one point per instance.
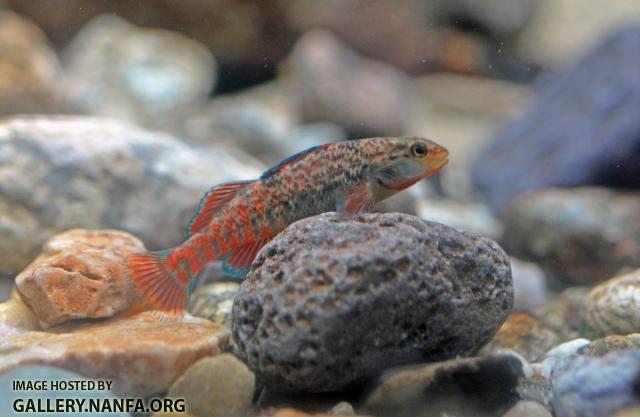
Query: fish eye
<point x="419" y="149"/>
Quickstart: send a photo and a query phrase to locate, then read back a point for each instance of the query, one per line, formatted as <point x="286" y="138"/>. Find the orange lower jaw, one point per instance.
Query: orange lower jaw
<point x="435" y="167"/>
<point x="405" y="184"/>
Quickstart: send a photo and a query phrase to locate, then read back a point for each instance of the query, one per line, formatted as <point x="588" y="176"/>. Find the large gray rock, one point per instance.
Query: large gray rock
<point x="334" y="300"/>
<point x="581" y="129"/>
<point x="582" y="235"/>
<point x="58" y="173"/>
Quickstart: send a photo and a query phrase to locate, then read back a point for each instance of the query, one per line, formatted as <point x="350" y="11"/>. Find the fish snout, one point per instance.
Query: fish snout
<point x="439" y="152"/>
<point x="438" y="157"/>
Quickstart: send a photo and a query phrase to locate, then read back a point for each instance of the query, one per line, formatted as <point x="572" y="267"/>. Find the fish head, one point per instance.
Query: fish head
<point x="407" y="161"/>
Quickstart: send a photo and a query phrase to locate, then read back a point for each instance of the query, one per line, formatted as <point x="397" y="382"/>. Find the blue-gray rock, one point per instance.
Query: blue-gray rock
<point x="582" y="129"/>
<point x="116" y="69"/>
<point x="334" y="300"/>
<point x="596" y="387"/>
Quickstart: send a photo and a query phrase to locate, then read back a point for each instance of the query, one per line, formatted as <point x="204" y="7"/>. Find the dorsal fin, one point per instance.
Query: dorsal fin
<point x="276" y="168"/>
<point x="212" y="201"/>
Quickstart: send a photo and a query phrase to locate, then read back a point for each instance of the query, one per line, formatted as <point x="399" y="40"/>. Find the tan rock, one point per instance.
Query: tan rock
<point x="613" y="343"/>
<point x="613" y="307"/>
<point x="29" y="68"/>
<point x="214" y="301"/>
<point x="220" y="386"/>
<point x="290" y="412"/>
<point x="562" y="30"/>
<point x="80" y="274"/>
<point x="142" y="355"/>
<point x="628" y="412"/>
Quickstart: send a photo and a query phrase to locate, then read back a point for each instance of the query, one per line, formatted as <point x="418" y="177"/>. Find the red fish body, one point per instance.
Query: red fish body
<point x="234" y="220"/>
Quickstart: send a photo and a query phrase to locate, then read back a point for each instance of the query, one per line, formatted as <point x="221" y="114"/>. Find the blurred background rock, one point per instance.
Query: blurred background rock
<point x="121" y="114"/>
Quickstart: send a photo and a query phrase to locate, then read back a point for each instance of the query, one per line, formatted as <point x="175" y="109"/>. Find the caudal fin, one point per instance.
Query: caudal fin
<point x="154" y="280"/>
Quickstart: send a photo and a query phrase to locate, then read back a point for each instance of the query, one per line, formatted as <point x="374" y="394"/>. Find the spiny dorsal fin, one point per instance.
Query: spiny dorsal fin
<point x="212" y="201"/>
<point x="276" y="168"/>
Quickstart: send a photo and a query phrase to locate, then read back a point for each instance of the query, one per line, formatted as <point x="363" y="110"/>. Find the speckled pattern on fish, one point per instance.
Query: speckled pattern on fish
<point x="234" y="220"/>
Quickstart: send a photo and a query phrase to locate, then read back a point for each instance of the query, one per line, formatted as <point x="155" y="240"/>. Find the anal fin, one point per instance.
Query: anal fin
<point x="237" y="263"/>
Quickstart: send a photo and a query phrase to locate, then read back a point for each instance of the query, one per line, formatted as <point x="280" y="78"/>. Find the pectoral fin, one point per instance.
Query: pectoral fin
<point x="358" y="198"/>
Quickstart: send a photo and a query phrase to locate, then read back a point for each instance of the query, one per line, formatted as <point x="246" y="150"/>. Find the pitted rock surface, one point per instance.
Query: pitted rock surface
<point x="334" y="300"/>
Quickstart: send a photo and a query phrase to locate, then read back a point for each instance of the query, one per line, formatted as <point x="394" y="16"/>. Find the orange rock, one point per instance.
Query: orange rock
<point x="526" y="334"/>
<point x="141" y="354"/>
<point x="80" y="274"/>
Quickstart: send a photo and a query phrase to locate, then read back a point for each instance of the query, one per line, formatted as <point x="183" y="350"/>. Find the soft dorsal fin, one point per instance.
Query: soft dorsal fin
<point x="237" y="263"/>
<point x="358" y="198"/>
<point x="212" y="201"/>
<point x="276" y="168"/>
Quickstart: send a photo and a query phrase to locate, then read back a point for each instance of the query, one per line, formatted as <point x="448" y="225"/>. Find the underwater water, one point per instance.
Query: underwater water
<point x="296" y="208"/>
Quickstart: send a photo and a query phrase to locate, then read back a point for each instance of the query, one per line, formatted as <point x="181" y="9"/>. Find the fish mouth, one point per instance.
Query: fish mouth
<point x="437" y="159"/>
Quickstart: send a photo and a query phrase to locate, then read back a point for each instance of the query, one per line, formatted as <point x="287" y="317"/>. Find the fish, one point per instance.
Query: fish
<point x="234" y="220"/>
